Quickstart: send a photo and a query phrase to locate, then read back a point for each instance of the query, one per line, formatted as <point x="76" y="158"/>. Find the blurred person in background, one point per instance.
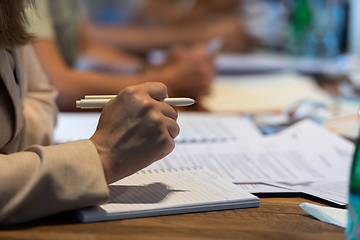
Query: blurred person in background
<point x="187" y="72"/>
<point x="164" y="22"/>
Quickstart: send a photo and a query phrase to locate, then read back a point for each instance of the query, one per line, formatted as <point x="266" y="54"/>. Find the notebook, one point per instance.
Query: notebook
<point x="153" y="193"/>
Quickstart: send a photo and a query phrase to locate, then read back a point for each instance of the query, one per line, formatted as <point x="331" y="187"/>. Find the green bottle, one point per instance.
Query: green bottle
<point x="300" y="24"/>
<point x="353" y="228"/>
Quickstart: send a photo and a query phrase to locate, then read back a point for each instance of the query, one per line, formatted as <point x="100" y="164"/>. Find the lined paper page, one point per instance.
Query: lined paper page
<point x="149" y="193"/>
<point x="175" y="188"/>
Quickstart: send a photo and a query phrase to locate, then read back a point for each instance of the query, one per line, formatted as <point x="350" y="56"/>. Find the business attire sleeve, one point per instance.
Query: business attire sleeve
<point x="42" y="181"/>
<point x="40" y="110"/>
<point x="39" y="180"/>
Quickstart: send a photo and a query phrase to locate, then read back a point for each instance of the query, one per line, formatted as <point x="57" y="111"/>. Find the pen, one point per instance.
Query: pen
<point x="98" y="101"/>
<point x="214" y="46"/>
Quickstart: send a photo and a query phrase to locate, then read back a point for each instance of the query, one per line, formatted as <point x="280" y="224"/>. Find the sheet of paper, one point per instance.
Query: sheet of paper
<point x="344" y="121"/>
<point x="257" y="93"/>
<point x="307" y="132"/>
<point x="201" y="127"/>
<point x="267" y="160"/>
<point x="75" y="126"/>
<point x="178" y="187"/>
<point x="264" y="188"/>
<point x="152" y="193"/>
<point x="194" y="127"/>
<point x="336" y="192"/>
<point x="310" y="134"/>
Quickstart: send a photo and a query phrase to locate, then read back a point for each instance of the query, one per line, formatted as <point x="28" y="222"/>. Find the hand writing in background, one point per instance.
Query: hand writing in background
<point x="188" y="71"/>
<point x="135" y="129"/>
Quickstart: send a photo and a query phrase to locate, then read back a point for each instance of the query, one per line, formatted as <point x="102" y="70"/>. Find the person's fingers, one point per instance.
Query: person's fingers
<point x="178" y="51"/>
<point x="162" y="132"/>
<point x="156" y="90"/>
<point x="167" y="110"/>
<point x="173" y="128"/>
<point x="199" y="50"/>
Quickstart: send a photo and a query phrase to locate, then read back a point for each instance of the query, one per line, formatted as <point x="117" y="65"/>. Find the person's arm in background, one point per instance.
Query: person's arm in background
<point x="163" y="22"/>
<point x="73" y="84"/>
<point x="131" y="37"/>
<point x="189" y="74"/>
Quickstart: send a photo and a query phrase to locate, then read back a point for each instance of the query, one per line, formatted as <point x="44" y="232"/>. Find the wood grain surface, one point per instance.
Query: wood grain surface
<point x="276" y="218"/>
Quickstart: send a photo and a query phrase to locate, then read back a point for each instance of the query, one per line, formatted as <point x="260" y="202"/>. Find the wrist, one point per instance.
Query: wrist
<point x="105" y="162"/>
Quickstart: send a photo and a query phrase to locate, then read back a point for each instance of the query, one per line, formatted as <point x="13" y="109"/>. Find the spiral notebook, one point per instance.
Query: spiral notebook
<point x="153" y="193"/>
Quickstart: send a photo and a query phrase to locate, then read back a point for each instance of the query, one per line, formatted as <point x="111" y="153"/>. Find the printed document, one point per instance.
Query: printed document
<point x="272" y="159"/>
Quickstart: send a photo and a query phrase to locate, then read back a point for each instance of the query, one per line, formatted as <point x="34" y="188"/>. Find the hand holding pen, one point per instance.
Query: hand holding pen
<point x="134" y="130"/>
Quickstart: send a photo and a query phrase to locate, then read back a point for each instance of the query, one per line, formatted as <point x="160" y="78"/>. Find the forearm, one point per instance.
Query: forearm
<point x="74" y="85"/>
<point x="141" y="39"/>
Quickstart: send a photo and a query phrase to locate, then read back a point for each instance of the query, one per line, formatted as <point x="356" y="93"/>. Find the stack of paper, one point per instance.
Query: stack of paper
<point x="306" y="158"/>
<point x="259" y="93"/>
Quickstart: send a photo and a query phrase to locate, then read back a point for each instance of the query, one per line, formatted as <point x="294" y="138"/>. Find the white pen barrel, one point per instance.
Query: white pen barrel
<point x="91" y="103"/>
<point x="179" y="101"/>
<point x="100" y="96"/>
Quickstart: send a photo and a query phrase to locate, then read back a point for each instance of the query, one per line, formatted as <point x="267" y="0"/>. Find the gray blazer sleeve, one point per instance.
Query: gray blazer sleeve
<point x="40" y="110"/>
<point x="42" y="181"/>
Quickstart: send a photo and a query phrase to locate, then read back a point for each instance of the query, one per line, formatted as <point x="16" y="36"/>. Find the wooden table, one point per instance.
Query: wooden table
<point x="276" y="218"/>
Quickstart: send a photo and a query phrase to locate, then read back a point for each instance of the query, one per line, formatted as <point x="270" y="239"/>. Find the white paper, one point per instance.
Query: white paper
<point x="201" y="127"/>
<point x="153" y="193"/>
<point x="259" y="93"/>
<point x="309" y="133"/>
<point x="194" y="127"/>
<point x="272" y="159"/>
<point x="75" y="126"/>
<point x="264" y="188"/>
<point x="336" y="192"/>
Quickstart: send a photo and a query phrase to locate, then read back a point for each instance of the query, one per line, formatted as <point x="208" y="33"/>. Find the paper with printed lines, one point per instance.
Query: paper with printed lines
<point x="153" y="193"/>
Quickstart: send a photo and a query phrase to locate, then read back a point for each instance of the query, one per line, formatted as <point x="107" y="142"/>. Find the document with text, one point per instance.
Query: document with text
<point x="266" y="160"/>
<point x="336" y="192"/>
